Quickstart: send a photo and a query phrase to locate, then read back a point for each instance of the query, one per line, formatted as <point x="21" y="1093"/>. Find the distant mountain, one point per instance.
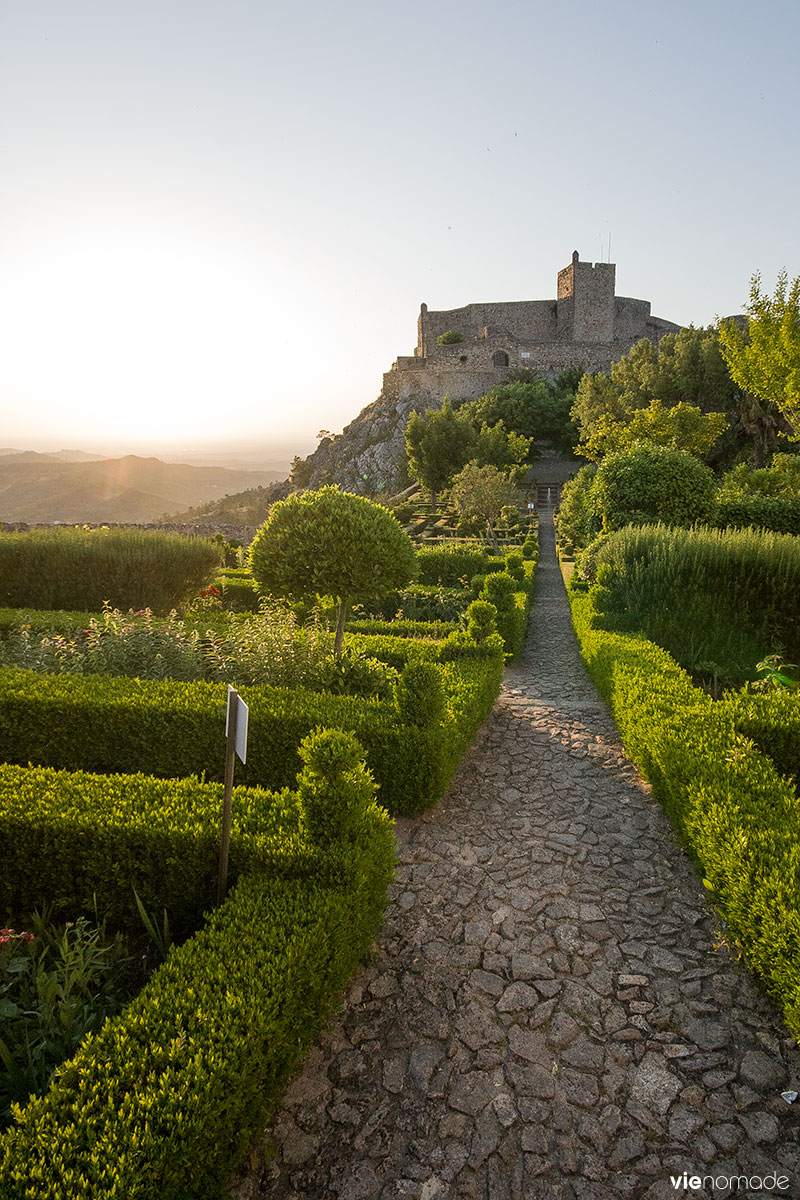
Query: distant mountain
<point x="42" y="488"/>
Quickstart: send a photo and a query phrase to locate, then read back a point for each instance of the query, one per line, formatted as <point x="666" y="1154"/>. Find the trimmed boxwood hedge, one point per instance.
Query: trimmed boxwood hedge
<point x="85" y="840"/>
<point x="165" y="1099"/>
<point x="173" y="729"/>
<point x="736" y="814"/>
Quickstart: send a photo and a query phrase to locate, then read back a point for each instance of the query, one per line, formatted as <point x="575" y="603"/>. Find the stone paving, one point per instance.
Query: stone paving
<point x="552" y="1010"/>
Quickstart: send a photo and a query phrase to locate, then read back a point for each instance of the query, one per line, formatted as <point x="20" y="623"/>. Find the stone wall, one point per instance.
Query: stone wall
<point x="586" y="326"/>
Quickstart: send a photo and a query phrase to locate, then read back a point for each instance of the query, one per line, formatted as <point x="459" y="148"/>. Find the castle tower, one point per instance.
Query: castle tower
<point x="586" y="301"/>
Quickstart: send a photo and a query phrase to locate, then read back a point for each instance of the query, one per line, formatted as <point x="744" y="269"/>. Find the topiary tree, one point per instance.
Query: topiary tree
<point x="331" y="543"/>
<point x="652" y="483"/>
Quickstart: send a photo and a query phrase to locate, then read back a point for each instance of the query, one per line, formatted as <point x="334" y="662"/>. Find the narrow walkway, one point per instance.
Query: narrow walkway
<point x="552" y="1011"/>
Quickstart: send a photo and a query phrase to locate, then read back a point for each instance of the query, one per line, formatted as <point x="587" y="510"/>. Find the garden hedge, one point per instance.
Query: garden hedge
<point x="87" y="841"/>
<point x="173" y="729"/>
<point x="737" y="815"/>
<point x="162" y="1103"/>
<point x="779" y="514"/>
<point x="76" y="568"/>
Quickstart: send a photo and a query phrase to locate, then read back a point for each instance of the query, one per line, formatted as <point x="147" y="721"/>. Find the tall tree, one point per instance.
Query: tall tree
<point x="764" y="358"/>
<point x="438" y="444"/>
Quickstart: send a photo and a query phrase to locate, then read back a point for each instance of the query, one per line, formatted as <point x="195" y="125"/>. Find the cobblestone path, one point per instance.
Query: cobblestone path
<point x="550" y="1012"/>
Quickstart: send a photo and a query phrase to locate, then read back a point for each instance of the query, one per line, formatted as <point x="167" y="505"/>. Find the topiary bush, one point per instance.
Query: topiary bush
<point x="649" y="484"/>
<point x="166" y="1097"/>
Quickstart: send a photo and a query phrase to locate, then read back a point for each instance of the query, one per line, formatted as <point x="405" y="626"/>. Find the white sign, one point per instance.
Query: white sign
<point x="242" y="713"/>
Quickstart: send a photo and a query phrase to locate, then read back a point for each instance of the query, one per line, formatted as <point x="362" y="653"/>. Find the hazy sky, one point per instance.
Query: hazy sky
<point x="218" y="218"/>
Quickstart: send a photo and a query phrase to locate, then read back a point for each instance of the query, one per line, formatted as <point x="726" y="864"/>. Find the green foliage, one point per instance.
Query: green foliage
<point x="497" y="447"/>
<point x="356" y="674"/>
<point x="687" y="368"/>
<point x="778" y="514"/>
<point x="451" y="338"/>
<point x="81" y="569"/>
<point x="765" y="358"/>
<point x="331" y="543"/>
<point x="165" y="1098"/>
<point x="271" y="648"/>
<point x="576" y="520"/>
<point x="684" y="427"/>
<point x="57" y="984"/>
<point x="652" y="483"/>
<point x="740" y="819"/>
<point x="450" y="563"/>
<point x="781" y="478"/>
<point x="483" y="492"/>
<point x="334" y="789"/>
<point x="438" y="444"/>
<point x="720" y="597"/>
<point x="238" y="594"/>
<point x="82" y="839"/>
<point x="419" y="695"/>
<point x="171" y="729"/>
<point x="531" y="408"/>
<point x="481" y="620"/>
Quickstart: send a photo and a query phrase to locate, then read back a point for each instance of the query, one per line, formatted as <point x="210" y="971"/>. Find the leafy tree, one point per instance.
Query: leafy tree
<point x="765" y="358"/>
<point x="687" y="368"/>
<point x="683" y="427"/>
<point x="483" y="493"/>
<point x="652" y="483"/>
<point x="576" y="519"/>
<point x="438" y="443"/>
<point x="331" y="543"/>
<point x="530" y="407"/>
<point x="781" y="478"/>
<point x="496" y="447"/>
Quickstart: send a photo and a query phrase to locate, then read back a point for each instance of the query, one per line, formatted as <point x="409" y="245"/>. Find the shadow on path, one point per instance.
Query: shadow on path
<point x="551" y="1011"/>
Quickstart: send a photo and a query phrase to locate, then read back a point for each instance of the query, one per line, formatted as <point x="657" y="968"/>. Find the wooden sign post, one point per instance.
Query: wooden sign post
<point x="236" y="743"/>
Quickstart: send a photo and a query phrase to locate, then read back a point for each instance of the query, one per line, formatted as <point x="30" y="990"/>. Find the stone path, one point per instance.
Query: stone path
<point x="552" y="1011"/>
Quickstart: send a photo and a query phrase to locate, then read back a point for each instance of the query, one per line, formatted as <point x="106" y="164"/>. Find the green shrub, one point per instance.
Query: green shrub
<point x="652" y="483"/>
<point x="82" y="839"/>
<point x="163" y="1101"/>
<point x="402" y="629"/>
<point x="449" y="564"/>
<point x="451" y="338"/>
<point x="719" y="596"/>
<point x="779" y="514"/>
<point x="81" y="569"/>
<point x="740" y="819"/>
<point x="419" y="695"/>
<point x="173" y="730"/>
<point x="576" y="519"/>
<point x="239" y="593"/>
<point x="481" y="620"/>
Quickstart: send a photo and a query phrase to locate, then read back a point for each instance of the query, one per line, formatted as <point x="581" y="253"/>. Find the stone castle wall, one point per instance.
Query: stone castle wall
<point x="587" y="326"/>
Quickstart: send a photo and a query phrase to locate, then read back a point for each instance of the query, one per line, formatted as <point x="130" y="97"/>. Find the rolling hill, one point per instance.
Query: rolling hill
<point x="42" y="488"/>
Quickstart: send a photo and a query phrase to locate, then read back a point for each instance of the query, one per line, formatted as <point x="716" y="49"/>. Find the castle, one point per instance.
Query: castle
<point x="588" y="325"/>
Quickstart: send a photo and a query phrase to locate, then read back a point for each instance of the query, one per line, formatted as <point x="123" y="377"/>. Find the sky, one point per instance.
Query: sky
<point x="219" y="218"/>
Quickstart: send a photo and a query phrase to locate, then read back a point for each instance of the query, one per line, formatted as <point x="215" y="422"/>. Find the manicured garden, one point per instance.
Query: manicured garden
<point x="112" y="745"/>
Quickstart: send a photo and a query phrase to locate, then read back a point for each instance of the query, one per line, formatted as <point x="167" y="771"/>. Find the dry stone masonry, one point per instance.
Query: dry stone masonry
<point x="587" y="325"/>
<point x="552" y="1012"/>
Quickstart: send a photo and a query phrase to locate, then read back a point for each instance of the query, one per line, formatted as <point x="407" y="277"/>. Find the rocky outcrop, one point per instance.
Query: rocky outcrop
<point x="369" y="455"/>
